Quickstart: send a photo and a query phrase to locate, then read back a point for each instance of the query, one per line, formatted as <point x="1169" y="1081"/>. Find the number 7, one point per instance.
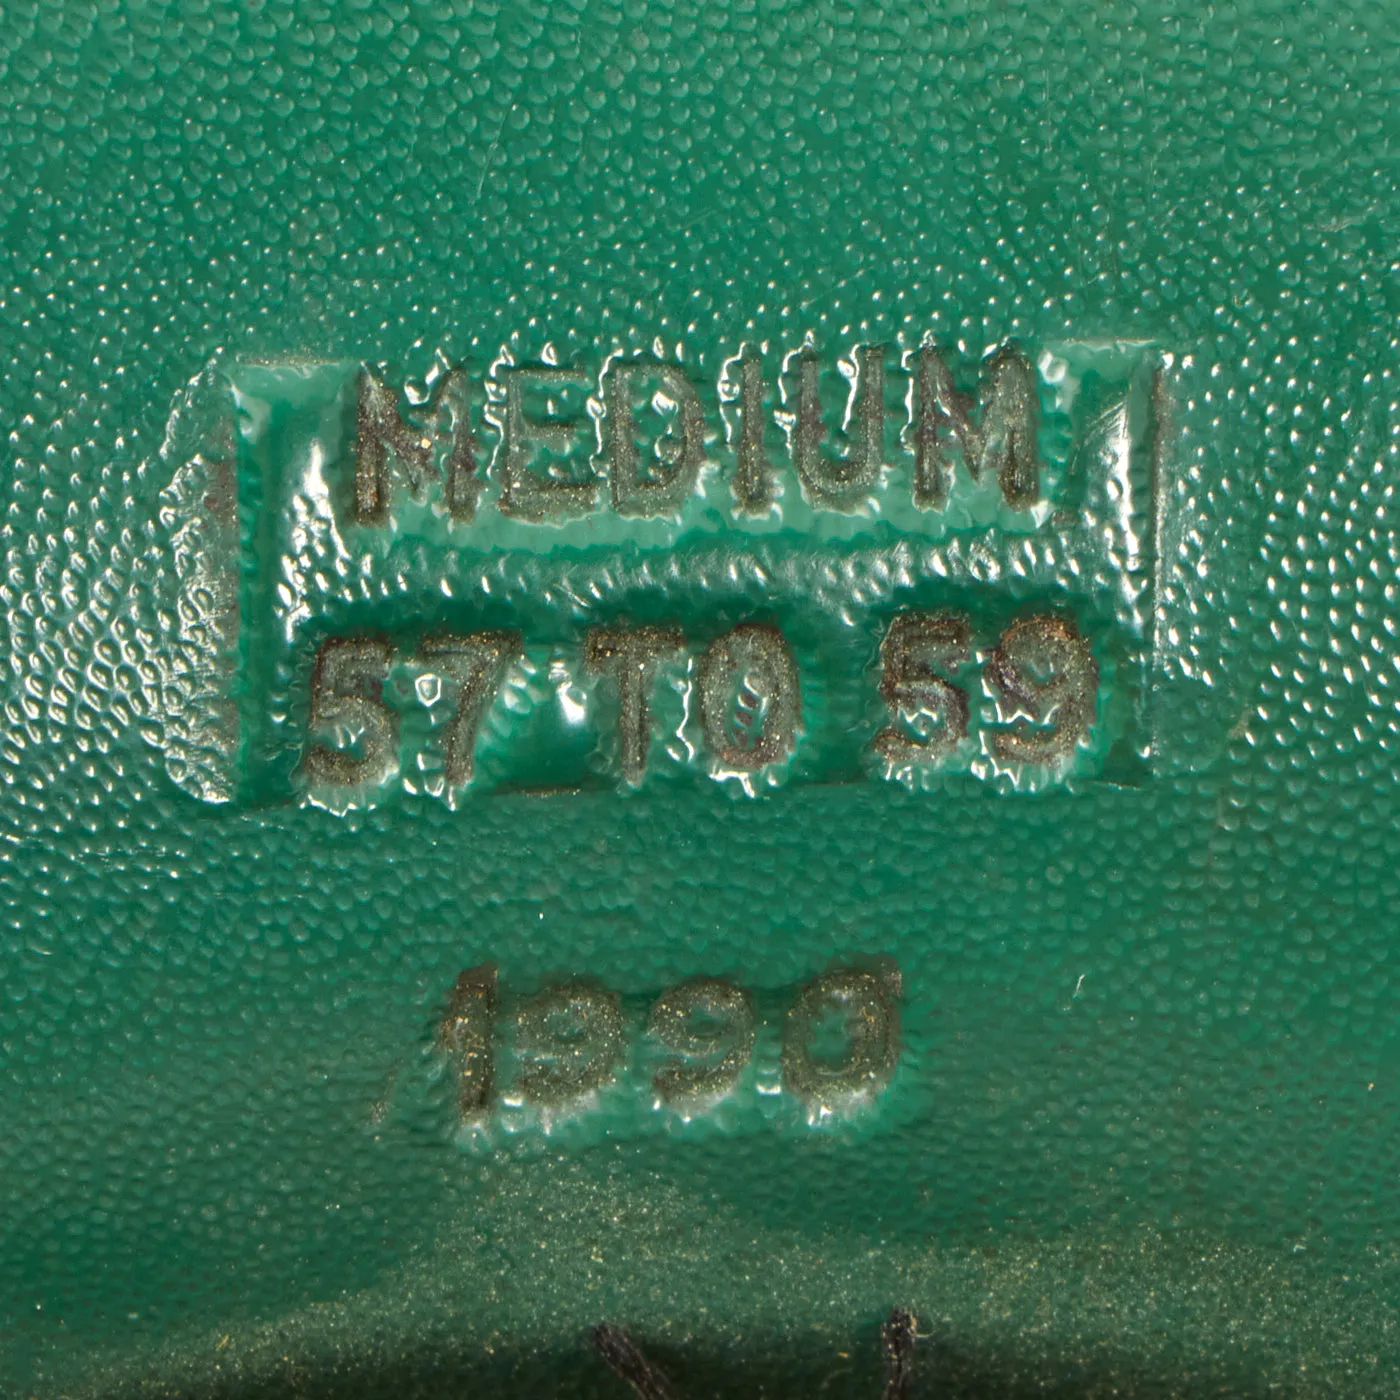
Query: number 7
<point x="476" y="663"/>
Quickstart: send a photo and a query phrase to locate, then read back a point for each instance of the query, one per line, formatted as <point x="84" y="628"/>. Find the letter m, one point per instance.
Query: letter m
<point x="1000" y="444"/>
<point x="386" y="445"/>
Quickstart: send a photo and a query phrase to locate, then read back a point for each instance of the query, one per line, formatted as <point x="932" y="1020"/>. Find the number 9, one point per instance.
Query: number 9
<point x="569" y="1040"/>
<point x="1047" y="674"/>
<point x="708" y="1025"/>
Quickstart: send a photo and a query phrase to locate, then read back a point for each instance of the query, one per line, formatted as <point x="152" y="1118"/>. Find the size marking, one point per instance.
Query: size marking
<point x="636" y="436"/>
<point x="774" y="565"/>
<point x="736" y="705"/>
<point x="578" y="1058"/>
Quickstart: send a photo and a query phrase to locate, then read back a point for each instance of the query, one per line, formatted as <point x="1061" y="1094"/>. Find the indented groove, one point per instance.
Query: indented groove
<point x="629" y="1361"/>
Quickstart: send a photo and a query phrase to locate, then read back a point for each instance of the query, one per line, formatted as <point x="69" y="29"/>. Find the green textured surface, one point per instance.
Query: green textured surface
<point x="1143" y="1134"/>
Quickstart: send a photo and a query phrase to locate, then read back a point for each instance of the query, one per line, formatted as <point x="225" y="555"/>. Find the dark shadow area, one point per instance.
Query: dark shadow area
<point x="935" y="1370"/>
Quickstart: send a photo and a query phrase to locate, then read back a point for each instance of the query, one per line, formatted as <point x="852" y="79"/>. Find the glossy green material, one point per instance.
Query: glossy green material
<point x="1126" y="1121"/>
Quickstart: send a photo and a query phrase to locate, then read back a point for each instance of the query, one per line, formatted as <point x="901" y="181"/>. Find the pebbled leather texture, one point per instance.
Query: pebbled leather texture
<point x="1136" y="1133"/>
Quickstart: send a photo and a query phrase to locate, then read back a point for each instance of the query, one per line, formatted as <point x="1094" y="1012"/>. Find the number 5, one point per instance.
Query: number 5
<point x="919" y="654"/>
<point x="347" y="695"/>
